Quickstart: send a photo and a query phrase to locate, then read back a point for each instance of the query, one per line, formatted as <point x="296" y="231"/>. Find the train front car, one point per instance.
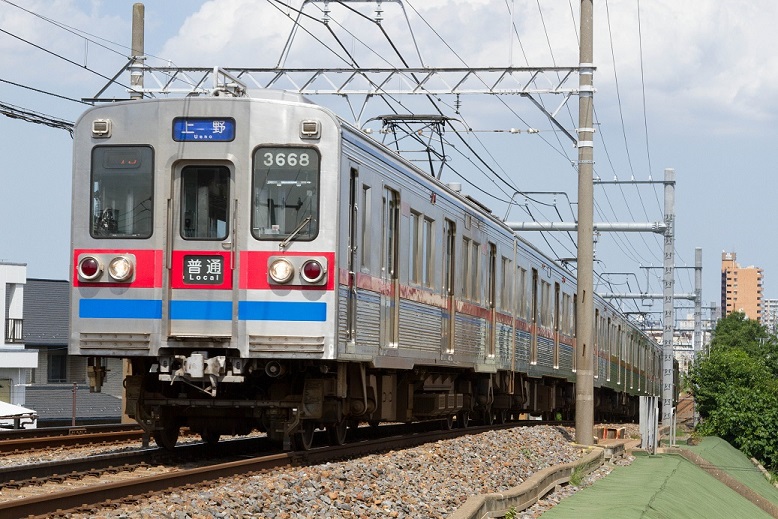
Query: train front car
<point x="204" y="253"/>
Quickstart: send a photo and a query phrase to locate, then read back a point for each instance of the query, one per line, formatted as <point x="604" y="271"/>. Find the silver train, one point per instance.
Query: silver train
<point x="261" y="264"/>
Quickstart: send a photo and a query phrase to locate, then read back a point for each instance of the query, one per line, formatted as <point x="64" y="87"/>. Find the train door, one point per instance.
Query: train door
<point x="390" y="293"/>
<point x="351" y="304"/>
<point x="200" y="252"/>
<point x="449" y="277"/>
<point x="492" y="294"/>
<point x="596" y="349"/>
<point x="556" y="319"/>
<point x="533" y="357"/>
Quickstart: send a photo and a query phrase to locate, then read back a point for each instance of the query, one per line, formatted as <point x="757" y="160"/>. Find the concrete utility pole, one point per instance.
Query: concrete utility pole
<point x="138" y="52"/>
<point x="584" y="382"/>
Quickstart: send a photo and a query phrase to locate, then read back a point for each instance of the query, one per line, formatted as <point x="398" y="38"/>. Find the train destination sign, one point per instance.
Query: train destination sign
<point x="203" y="129"/>
<point x="203" y="270"/>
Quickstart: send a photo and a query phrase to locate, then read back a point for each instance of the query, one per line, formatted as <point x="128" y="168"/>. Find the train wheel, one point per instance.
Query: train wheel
<point x="488" y="416"/>
<point x="209" y="437"/>
<point x="337" y="432"/>
<point x="463" y="418"/>
<point x="448" y="422"/>
<point x="167" y="436"/>
<point x="304" y="437"/>
<point x="502" y="416"/>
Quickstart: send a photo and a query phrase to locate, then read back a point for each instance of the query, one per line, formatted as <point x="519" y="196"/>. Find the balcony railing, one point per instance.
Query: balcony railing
<point x="13" y="330"/>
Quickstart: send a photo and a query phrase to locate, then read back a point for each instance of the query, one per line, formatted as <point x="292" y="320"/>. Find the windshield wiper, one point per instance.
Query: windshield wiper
<point x="294" y="233"/>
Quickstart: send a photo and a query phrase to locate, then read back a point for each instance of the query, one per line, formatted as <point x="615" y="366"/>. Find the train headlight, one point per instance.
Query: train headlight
<point x="120" y="268"/>
<point x="90" y="268"/>
<point x="312" y="271"/>
<point x="281" y="271"/>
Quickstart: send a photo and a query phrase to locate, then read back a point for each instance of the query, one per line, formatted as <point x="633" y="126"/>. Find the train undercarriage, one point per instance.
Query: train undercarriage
<point x="291" y="399"/>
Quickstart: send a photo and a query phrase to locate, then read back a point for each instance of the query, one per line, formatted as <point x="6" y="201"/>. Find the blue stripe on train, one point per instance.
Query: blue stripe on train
<point x="281" y="311"/>
<point x="202" y="310"/>
<point x="120" y="309"/>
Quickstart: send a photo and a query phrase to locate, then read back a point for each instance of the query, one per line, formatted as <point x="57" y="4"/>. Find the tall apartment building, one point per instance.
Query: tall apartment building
<point x="741" y="288"/>
<point x="770" y="315"/>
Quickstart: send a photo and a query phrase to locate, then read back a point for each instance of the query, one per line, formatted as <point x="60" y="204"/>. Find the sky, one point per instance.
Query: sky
<point x="684" y="85"/>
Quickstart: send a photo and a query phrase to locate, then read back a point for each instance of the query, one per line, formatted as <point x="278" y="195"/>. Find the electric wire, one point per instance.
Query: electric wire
<point x="68" y="60"/>
<point x="33" y="89"/>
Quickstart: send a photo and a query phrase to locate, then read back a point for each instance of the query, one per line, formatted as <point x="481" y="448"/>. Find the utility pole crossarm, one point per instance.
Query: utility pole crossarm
<point x="691" y="297"/>
<point x="655" y="227"/>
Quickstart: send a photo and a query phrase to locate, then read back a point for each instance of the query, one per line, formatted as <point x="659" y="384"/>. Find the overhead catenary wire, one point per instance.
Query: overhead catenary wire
<point x="481" y="154"/>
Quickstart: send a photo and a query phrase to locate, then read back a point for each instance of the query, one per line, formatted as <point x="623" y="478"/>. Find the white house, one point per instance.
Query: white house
<point x="16" y="363"/>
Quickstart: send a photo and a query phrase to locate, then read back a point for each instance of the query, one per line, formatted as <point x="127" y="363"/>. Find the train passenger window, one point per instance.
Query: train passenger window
<point x="507" y="285"/>
<point x="492" y="277"/>
<point x="205" y="195"/>
<point x="285" y="196"/>
<point x="415" y="247"/>
<point x="545" y="304"/>
<point x="391" y="220"/>
<point x="427" y="238"/>
<point x="367" y="242"/>
<point x="122" y="187"/>
<point x="472" y="270"/>
<point x="467" y="286"/>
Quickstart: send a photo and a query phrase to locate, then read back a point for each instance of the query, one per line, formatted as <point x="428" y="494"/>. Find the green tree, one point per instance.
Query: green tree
<point x="718" y="369"/>
<point x="736" y="331"/>
<point x="747" y="418"/>
<point x="735" y="388"/>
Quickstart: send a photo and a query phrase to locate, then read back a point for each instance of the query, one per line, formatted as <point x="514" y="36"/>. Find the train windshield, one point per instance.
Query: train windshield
<point x="285" y="199"/>
<point x="122" y="185"/>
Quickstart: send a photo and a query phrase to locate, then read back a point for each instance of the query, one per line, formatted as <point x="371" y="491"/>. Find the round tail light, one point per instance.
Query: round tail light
<point x="312" y="271"/>
<point x="89" y="268"/>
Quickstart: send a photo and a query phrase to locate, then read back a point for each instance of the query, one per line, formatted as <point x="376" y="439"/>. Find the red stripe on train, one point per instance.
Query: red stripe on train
<point x="253" y="270"/>
<point x="148" y="267"/>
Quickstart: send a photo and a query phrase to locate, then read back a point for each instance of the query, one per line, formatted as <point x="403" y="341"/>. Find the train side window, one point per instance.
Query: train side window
<point x="285" y="199"/>
<point x="415" y="247"/>
<point x="545" y="304"/>
<point x="491" y="296"/>
<point x="391" y="216"/>
<point x="466" y="267"/>
<point x="122" y="189"/>
<point x="505" y="288"/>
<point x="205" y="194"/>
<point x="367" y="242"/>
<point x="427" y="239"/>
<point x="449" y="272"/>
<point x="475" y="271"/>
<point x="523" y="302"/>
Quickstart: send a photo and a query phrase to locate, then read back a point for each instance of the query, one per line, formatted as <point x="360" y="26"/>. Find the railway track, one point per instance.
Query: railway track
<point x="127" y="477"/>
<point x="36" y="439"/>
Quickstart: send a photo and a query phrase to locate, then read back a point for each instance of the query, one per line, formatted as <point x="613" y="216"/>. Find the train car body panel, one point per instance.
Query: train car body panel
<point x="262" y="264"/>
